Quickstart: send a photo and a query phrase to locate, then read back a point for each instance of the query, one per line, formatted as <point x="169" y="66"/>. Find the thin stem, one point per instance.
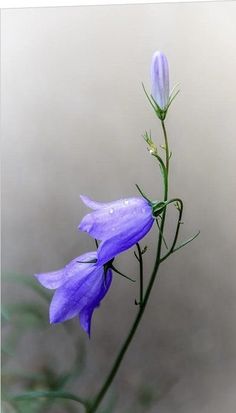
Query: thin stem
<point x="177" y="230"/>
<point x="140" y="259"/>
<point x="121" y="273"/>
<point x="182" y="245"/>
<point x="164" y="172"/>
<point x="166" y="150"/>
<point x="93" y="407"/>
<point x="162" y="234"/>
<point x="125" y="346"/>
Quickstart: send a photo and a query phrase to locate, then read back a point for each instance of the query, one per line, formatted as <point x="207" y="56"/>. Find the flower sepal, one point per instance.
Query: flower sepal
<point x="161" y="113"/>
<point x="108" y="265"/>
<point x="158" y="208"/>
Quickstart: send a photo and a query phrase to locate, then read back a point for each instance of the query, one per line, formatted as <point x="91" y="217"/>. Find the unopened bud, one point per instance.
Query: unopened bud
<point x="160" y="79"/>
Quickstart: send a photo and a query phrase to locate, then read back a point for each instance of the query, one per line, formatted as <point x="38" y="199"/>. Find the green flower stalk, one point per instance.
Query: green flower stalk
<point x="118" y="226"/>
<point x="160" y="100"/>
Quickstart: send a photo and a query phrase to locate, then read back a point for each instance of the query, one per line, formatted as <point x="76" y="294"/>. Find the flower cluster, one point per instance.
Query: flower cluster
<point x="81" y="285"/>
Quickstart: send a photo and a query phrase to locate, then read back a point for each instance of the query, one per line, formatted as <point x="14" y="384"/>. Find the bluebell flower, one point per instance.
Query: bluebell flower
<point x="80" y="286"/>
<point x="119" y="224"/>
<point x="160" y="80"/>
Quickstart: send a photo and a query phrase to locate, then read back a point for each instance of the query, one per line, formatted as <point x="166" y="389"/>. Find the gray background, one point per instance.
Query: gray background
<point x="73" y="112"/>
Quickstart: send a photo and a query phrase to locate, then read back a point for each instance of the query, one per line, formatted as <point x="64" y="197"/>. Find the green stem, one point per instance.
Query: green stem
<point x="162" y="168"/>
<point x="162" y="234"/>
<point x="167" y="162"/>
<point x="93" y="407"/>
<point x="185" y="242"/>
<point x="125" y="346"/>
<point x="177" y="230"/>
<point x="140" y="259"/>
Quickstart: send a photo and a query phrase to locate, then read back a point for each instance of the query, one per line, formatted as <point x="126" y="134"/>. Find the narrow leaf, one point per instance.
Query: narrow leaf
<point x="186" y="242"/>
<point x="49" y="395"/>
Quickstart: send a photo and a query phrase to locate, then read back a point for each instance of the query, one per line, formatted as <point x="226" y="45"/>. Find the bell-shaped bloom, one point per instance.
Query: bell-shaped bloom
<point x="160" y="80"/>
<point x="80" y="287"/>
<point x="119" y="224"/>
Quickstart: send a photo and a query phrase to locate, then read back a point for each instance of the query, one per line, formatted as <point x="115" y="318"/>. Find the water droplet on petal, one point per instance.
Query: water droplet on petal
<point x="126" y="201"/>
<point x="111" y="211"/>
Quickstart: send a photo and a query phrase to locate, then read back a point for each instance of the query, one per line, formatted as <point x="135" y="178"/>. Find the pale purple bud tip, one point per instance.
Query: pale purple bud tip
<point x="160" y="79"/>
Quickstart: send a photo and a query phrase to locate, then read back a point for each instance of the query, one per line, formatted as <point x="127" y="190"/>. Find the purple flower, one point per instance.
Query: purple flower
<point x="160" y="79"/>
<point x="119" y="224"/>
<point x="80" y="287"/>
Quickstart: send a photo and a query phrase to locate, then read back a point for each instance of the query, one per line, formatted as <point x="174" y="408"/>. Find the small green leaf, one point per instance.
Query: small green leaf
<point x="186" y="242"/>
<point x="48" y="395"/>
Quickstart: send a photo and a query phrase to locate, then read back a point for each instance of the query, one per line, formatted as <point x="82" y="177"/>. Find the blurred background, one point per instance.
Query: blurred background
<point x="73" y="115"/>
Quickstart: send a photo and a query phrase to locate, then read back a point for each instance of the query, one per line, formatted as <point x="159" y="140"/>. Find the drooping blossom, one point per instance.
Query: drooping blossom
<point x="80" y="286"/>
<point x="160" y="79"/>
<point x="119" y="224"/>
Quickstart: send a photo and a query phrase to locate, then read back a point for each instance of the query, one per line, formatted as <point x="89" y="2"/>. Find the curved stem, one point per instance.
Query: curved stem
<point x="140" y="259"/>
<point x="177" y="230"/>
<point x="166" y="150"/>
<point x="186" y="242"/>
<point x="161" y="162"/>
<point x="162" y="234"/>
<point x="93" y="407"/>
<point x="125" y="346"/>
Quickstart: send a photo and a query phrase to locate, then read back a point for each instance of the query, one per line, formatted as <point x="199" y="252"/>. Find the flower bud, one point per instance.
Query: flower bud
<point x="160" y="79"/>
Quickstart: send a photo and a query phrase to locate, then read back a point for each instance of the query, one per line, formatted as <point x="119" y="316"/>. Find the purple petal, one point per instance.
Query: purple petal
<point x="109" y="248"/>
<point x="69" y="299"/>
<point x="93" y="204"/>
<point x="87" y="312"/>
<point x="110" y="220"/>
<point x="79" y="294"/>
<point x="52" y="279"/>
<point x="55" y="279"/>
<point x="160" y="79"/>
